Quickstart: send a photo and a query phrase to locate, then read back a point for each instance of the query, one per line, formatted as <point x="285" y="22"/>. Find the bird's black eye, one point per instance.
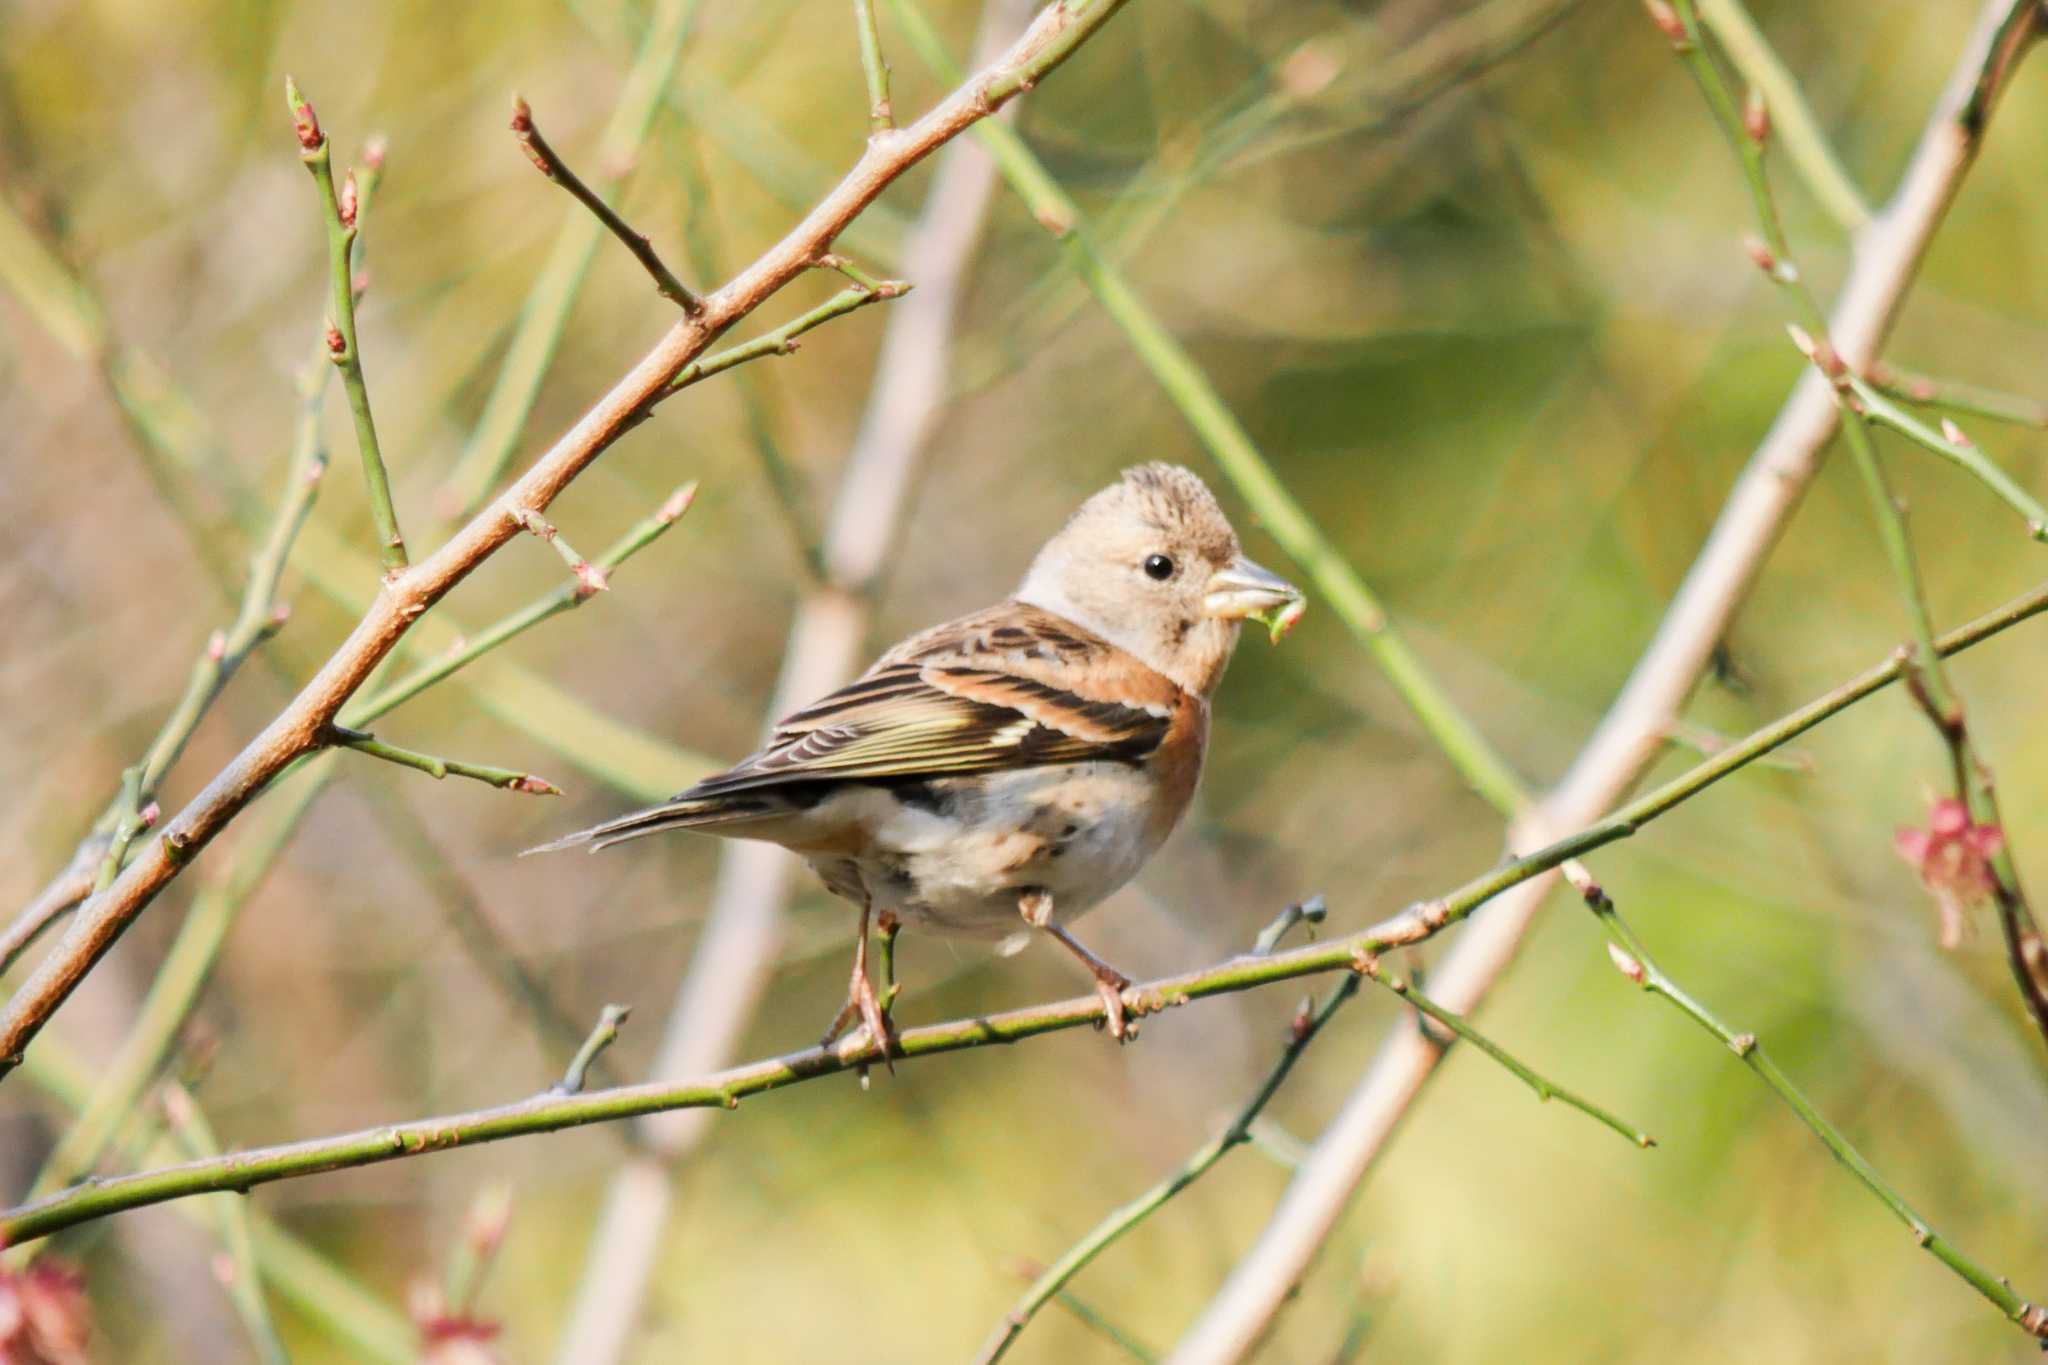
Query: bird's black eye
<point x="1159" y="567"/>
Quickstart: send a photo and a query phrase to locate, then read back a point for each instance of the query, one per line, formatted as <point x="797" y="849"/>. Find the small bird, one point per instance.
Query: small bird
<point x="1015" y="766"/>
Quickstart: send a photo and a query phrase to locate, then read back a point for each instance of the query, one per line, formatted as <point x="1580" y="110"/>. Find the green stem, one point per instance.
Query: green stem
<point x="782" y="341"/>
<point x="603" y="1036"/>
<point x="1233" y="449"/>
<point x="1643" y="969"/>
<point x="1879" y="408"/>
<point x="1792" y="118"/>
<point x="1545" y="1089"/>
<point x="341" y="341"/>
<point x="880" y="117"/>
<point x="436" y="767"/>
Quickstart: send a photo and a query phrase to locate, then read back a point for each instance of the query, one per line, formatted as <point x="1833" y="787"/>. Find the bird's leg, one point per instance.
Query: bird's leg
<point x="1110" y="984"/>
<point x="861" y="1000"/>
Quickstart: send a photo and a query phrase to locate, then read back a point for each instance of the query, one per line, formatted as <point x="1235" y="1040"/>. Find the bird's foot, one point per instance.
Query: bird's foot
<point x="868" y="1008"/>
<point x="1111" y="984"/>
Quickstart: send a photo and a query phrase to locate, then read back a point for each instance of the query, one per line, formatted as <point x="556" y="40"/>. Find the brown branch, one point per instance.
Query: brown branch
<point x="408" y="594"/>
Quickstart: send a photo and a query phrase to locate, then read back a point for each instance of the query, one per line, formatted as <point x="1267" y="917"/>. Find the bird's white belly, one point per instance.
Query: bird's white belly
<point x="957" y="860"/>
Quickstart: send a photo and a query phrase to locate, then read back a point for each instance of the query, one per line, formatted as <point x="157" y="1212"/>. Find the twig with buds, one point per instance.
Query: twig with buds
<point x="341" y="211"/>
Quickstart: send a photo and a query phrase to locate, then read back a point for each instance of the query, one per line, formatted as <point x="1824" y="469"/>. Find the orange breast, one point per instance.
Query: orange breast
<point x="1176" y="765"/>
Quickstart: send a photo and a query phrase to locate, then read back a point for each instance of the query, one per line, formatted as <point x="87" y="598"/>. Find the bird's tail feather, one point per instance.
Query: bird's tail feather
<point x="701" y="812"/>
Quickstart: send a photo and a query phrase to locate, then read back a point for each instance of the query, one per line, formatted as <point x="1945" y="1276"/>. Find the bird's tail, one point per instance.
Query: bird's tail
<point x="685" y="812"/>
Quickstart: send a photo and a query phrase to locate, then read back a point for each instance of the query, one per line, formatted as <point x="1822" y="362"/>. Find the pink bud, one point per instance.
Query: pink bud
<point x="1626" y="964"/>
<point x="336" y="344"/>
<point x="1756" y="116"/>
<point x="678" y="503"/>
<point x="217" y="646"/>
<point x="1760" y="253"/>
<point x="305" y="122"/>
<point x="1666" y="18"/>
<point x="373" y="153"/>
<point x="346" y="205"/>
<point x="590" y="579"/>
<point x="536" y="786"/>
<point x="1955" y="433"/>
<point x="150" y="814"/>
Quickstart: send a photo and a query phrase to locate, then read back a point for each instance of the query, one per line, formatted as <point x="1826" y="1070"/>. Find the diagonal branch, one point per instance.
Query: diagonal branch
<point x="1053" y="36"/>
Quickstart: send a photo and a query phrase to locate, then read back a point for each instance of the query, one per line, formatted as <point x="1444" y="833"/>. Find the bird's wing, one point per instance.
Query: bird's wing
<point x="1013" y="687"/>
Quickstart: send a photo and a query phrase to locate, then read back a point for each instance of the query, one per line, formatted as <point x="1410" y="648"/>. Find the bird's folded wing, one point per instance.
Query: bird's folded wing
<point x="962" y="704"/>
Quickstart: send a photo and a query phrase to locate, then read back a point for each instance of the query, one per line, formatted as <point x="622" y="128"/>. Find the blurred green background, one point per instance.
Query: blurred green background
<point x="1490" y="321"/>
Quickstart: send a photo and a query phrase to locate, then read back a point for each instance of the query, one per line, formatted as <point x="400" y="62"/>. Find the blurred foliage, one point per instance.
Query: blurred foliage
<point x="1495" y="329"/>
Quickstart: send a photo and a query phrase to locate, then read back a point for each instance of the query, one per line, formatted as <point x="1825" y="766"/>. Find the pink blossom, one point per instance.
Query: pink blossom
<point x="1953" y="857"/>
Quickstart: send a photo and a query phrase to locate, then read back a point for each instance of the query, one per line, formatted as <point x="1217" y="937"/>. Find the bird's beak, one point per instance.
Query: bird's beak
<point x="1241" y="588"/>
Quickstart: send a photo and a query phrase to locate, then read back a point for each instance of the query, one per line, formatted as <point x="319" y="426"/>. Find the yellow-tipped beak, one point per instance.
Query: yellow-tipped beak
<point x="1241" y="588"/>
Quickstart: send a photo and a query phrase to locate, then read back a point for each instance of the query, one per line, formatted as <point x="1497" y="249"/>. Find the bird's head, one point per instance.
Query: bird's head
<point x="1150" y="564"/>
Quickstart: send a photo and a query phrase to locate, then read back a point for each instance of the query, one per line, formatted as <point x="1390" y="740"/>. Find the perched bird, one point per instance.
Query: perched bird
<point x="1017" y="765"/>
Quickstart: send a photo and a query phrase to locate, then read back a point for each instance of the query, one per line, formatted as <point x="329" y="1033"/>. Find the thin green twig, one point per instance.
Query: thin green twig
<point x="339" y="210"/>
<point x="1635" y="962"/>
<point x="782" y="341"/>
<point x="437" y="767"/>
<point x="1545" y="1089"/>
<point x="601" y="1037"/>
<point x="880" y="117"/>
<point x="1877" y="407"/>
